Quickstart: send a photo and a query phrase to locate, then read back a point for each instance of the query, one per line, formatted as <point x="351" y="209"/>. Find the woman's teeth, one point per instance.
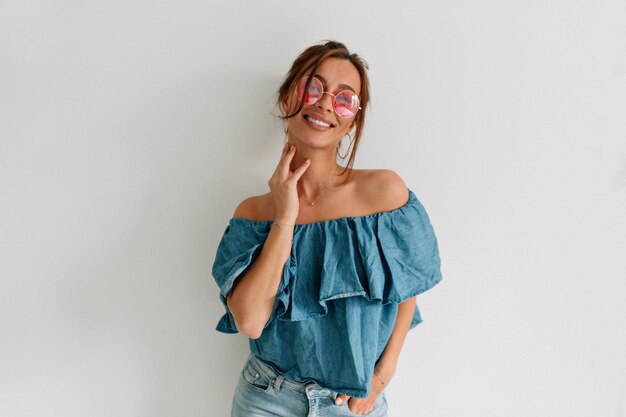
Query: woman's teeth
<point x="317" y="122"/>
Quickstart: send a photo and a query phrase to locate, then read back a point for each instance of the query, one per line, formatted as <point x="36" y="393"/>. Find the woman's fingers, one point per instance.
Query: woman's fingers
<point x="341" y="398"/>
<point x="283" y="153"/>
<point x="285" y="162"/>
<point x="282" y="158"/>
<point x="298" y="172"/>
<point x="283" y="171"/>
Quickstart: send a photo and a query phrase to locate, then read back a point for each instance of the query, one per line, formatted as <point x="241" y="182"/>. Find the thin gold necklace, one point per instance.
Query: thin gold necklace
<point x="312" y="203"/>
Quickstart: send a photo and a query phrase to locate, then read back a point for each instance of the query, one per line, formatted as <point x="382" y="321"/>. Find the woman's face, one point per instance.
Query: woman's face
<point x="336" y="75"/>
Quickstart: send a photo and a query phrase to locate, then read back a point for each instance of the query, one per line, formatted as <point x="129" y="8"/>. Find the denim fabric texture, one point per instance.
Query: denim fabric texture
<point x="262" y="391"/>
<point x="338" y="298"/>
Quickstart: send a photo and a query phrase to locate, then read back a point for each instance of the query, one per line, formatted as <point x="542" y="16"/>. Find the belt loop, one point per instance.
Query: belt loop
<point x="279" y="380"/>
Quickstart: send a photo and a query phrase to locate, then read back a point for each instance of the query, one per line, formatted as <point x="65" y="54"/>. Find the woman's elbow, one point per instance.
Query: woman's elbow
<point x="247" y="328"/>
<point x="251" y="333"/>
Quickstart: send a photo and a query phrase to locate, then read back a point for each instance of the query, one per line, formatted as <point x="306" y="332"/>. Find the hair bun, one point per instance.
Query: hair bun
<point x="335" y="45"/>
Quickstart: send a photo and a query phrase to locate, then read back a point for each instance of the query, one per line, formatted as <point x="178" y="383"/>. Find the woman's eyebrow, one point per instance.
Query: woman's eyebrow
<point x="345" y="86"/>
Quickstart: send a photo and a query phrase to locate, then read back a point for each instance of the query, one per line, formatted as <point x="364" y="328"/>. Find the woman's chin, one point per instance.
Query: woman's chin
<point x="317" y="141"/>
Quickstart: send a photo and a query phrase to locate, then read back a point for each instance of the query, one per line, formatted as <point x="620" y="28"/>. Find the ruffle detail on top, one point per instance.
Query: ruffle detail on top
<point x="240" y="246"/>
<point x="385" y="257"/>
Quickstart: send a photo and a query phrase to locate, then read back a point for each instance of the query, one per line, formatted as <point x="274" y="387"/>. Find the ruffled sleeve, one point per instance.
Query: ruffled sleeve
<point x="405" y="257"/>
<point x="385" y="258"/>
<point x="239" y="247"/>
<point x="409" y="253"/>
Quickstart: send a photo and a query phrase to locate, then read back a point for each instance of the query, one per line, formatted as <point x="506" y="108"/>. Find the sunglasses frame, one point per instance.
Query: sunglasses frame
<point x="313" y="78"/>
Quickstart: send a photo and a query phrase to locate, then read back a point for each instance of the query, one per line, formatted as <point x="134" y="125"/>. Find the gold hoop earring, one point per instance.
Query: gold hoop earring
<point x="348" y="151"/>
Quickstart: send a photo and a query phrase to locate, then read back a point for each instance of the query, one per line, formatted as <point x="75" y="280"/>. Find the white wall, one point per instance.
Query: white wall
<point x="129" y="132"/>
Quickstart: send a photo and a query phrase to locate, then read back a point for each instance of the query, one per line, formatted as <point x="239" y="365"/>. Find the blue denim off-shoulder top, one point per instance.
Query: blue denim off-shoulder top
<point x="337" y="301"/>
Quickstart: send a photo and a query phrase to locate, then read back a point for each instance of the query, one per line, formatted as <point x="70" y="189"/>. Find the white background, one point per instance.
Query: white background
<point x="129" y="131"/>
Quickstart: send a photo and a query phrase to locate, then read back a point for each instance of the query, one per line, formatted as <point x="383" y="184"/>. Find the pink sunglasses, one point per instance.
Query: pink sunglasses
<point x="345" y="103"/>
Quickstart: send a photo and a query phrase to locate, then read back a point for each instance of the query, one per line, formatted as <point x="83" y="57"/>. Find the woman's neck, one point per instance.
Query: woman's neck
<point x="322" y="174"/>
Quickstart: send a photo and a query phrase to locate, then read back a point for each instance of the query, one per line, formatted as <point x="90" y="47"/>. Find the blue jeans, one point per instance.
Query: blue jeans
<point x="261" y="391"/>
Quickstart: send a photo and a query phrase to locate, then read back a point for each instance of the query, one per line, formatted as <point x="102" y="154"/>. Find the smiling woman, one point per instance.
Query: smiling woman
<point x="310" y="75"/>
<point x="324" y="290"/>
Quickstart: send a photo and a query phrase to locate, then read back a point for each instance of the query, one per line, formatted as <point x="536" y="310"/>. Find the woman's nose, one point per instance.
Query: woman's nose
<point x="326" y="102"/>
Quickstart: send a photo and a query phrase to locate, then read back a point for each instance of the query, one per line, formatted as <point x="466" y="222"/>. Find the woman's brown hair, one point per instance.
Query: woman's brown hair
<point x="308" y="62"/>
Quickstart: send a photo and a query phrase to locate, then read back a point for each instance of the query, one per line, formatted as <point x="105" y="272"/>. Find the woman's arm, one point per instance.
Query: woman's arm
<point x="396" y="194"/>
<point x="251" y="300"/>
<point x="386" y="365"/>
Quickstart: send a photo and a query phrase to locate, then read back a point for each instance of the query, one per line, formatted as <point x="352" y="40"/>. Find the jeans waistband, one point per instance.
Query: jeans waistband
<point x="304" y="387"/>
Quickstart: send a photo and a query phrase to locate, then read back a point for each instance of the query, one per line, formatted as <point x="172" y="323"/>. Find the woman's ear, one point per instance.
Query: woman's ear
<point x="285" y="103"/>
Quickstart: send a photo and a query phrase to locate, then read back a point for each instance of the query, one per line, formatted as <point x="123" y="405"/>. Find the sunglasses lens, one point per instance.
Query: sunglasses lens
<point x="313" y="93"/>
<point x="346" y="104"/>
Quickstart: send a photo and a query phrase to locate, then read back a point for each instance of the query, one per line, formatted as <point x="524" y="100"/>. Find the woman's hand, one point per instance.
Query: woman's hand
<point x="283" y="184"/>
<point x="362" y="405"/>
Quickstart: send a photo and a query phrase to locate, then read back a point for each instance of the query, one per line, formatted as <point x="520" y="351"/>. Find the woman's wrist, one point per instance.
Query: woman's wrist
<point x="285" y="223"/>
<point x="383" y="374"/>
<point x="290" y="220"/>
<point x="286" y="228"/>
<point x="379" y="383"/>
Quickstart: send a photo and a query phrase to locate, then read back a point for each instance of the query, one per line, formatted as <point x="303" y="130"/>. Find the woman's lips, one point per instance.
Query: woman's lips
<point x="316" y="126"/>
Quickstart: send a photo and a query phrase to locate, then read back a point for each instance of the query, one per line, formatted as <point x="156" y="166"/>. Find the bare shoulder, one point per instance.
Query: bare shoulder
<point x="384" y="188"/>
<point x="252" y="208"/>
